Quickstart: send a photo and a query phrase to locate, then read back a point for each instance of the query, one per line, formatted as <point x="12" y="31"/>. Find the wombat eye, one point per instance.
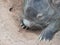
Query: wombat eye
<point x="39" y="15"/>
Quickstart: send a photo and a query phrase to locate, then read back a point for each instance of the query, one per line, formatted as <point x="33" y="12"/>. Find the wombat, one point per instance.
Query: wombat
<point x="42" y="14"/>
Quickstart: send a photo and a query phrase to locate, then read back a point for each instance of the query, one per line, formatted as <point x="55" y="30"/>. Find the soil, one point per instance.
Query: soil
<point x="11" y="32"/>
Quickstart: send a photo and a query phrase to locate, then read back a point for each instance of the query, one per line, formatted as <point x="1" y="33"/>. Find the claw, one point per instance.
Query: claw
<point x="23" y="27"/>
<point x="21" y="24"/>
<point x="44" y="39"/>
<point x="27" y="28"/>
<point x="40" y="38"/>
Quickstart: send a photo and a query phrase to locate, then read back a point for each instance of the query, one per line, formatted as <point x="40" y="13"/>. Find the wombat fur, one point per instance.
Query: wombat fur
<point x="42" y="14"/>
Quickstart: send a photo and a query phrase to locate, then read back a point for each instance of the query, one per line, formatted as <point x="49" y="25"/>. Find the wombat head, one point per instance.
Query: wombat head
<point x="38" y="12"/>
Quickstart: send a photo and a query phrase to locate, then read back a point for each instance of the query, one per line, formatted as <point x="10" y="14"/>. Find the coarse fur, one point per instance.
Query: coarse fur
<point x="42" y="14"/>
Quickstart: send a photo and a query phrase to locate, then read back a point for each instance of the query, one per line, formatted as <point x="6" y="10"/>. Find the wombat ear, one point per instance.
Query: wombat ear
<point x="54" y="3"/>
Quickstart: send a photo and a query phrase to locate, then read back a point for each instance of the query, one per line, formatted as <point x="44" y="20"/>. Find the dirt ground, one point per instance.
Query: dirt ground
<point x="10" y="31"/>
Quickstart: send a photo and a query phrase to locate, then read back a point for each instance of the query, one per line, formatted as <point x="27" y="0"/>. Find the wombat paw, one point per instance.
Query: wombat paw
<point x="46" y="36"/>
<point x="23" y="25"/>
